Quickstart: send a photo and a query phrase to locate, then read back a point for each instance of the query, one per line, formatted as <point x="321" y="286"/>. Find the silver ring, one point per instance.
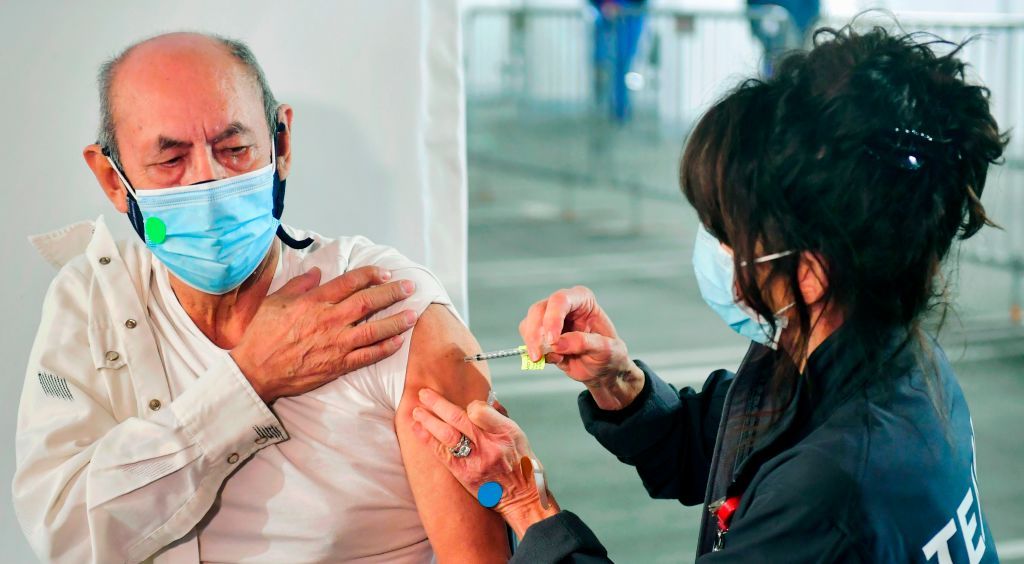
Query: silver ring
<point x="463" y="449"/>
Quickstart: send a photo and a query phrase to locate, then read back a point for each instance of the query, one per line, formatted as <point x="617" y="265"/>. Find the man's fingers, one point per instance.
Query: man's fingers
<point x="301" y="283"/>
<point x="341" y="287"/>
<point x="447" y="411"/>
<point x="373" y="354"/>
<point x="365" y="303"/>
<point x="445" y="434"/>
<point x="375" y="331"/>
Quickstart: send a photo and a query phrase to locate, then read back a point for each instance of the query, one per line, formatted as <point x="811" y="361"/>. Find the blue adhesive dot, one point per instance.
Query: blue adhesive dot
<point x="489" y="494"/>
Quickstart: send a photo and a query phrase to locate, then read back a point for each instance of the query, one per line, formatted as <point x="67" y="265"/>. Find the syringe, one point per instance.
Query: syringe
<point x="518" y="351"/>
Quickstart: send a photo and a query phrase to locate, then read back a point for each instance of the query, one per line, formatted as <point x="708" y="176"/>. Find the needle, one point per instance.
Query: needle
<point x="518" y="351"/>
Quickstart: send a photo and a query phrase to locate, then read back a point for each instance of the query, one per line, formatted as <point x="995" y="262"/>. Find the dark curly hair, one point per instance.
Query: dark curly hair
<point x="869" y="151"/>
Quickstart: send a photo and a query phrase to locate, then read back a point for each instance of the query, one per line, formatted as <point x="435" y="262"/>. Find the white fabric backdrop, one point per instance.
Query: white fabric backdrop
<point x="379" y="137"/>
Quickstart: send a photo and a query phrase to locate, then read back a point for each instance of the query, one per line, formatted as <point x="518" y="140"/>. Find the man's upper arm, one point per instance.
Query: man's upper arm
<point x="459" y="528"/>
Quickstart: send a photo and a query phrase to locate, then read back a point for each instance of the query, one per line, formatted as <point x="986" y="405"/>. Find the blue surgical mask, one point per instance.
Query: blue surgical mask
<point x="716" y="278"/>
<point x="212" y="235"/>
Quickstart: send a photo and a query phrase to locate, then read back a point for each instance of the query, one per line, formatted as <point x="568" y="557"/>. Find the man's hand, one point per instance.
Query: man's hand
<point x="306" y="335"/>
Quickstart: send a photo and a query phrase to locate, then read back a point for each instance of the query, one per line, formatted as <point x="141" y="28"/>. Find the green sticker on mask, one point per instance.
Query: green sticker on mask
<point x="156" y="230"/>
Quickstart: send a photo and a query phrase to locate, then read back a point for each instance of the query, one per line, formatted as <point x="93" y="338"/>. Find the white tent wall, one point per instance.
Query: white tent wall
<point x="378" y="137"/>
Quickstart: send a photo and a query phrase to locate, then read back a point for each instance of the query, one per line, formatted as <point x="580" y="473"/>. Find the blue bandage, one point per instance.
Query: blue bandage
<point x="489" y="494"/>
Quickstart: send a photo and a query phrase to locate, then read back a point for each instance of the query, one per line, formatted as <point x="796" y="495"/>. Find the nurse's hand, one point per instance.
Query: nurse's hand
<point x="499" y="448"/>
<point x="571" y="330"/>
<point x="307" y="334"/>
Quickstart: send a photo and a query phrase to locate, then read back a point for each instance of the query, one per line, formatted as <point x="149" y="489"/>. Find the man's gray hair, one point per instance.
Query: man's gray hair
<point x="106" y="137"/>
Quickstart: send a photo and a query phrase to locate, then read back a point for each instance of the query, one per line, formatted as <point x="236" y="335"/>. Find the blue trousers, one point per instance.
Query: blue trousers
<point x="615" y="44"/>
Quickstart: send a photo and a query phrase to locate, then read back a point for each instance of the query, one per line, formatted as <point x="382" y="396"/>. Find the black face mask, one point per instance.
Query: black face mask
<point x="138" y="223"/>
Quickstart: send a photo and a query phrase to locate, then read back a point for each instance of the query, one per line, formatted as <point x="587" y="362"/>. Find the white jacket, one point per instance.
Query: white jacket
<point x="109" y="469"/>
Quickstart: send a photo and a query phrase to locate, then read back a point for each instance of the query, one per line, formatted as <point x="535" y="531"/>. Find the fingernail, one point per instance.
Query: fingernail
<point x="385" y="275"/>
<point x="417" y="412"/>
<point x="409" y="316"/>
<point x="423" y="395"/>
<point x="408" y="286"/>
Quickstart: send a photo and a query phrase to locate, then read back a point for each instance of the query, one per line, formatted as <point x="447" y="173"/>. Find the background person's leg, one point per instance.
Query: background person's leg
<point x="628" y="29"/>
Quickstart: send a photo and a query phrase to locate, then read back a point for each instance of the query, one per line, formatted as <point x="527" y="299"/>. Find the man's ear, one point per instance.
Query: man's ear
<point x="813" y="281"/>
<point x="283" y="140"/>
<point x="107" y="177"/>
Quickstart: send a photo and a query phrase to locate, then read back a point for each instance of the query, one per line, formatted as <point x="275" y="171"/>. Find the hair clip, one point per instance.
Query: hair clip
<point x="905" y="148"/>
<point x="914" y="132"/>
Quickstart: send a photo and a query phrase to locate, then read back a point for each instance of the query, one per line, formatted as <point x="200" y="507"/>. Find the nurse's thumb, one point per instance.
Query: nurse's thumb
<point x="488" y="418"/>
<point x="301" y="283"/>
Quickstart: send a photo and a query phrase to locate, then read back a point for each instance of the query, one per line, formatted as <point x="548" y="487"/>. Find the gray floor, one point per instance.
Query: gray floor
<point x="533" y="233"/>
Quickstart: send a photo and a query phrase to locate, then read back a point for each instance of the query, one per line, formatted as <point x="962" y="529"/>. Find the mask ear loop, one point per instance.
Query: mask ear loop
<point x="768" y="258"/>
<point x="134" y="212"/>
<point x="120" y="174"/>
<point x="279" y="185"/>
<point x="781" y="322"/>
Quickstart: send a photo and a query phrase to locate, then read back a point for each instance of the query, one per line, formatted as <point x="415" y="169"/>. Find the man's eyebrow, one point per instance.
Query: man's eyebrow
<point x="233" y="128"/>
<point x="166" y="143"/>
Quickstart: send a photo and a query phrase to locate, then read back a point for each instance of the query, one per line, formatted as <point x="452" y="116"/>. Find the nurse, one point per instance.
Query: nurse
<point x="829" y="197"/>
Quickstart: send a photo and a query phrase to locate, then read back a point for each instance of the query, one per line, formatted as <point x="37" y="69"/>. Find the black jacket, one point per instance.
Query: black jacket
<point x="846" y="473"/>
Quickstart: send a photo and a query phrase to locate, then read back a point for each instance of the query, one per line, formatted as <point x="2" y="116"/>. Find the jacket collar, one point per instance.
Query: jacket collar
<point x="828" y="381"/>
<point x="59" y="246"/>
<point x="833" y="370"/>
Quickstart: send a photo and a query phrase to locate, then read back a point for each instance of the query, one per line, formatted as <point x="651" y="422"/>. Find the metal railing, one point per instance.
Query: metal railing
<point x="543" y="102"/>
<point x="542" y="59"/>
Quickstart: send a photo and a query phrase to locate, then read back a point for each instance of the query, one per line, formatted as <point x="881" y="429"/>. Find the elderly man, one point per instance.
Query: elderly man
<point x="229" y="390"/>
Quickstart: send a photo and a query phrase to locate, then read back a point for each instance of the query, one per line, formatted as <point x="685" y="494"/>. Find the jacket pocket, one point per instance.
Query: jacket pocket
<point x="109" y="358"/>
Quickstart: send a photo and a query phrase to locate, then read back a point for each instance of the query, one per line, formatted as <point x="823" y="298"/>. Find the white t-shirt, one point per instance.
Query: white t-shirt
<point x="337" y="490"/>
